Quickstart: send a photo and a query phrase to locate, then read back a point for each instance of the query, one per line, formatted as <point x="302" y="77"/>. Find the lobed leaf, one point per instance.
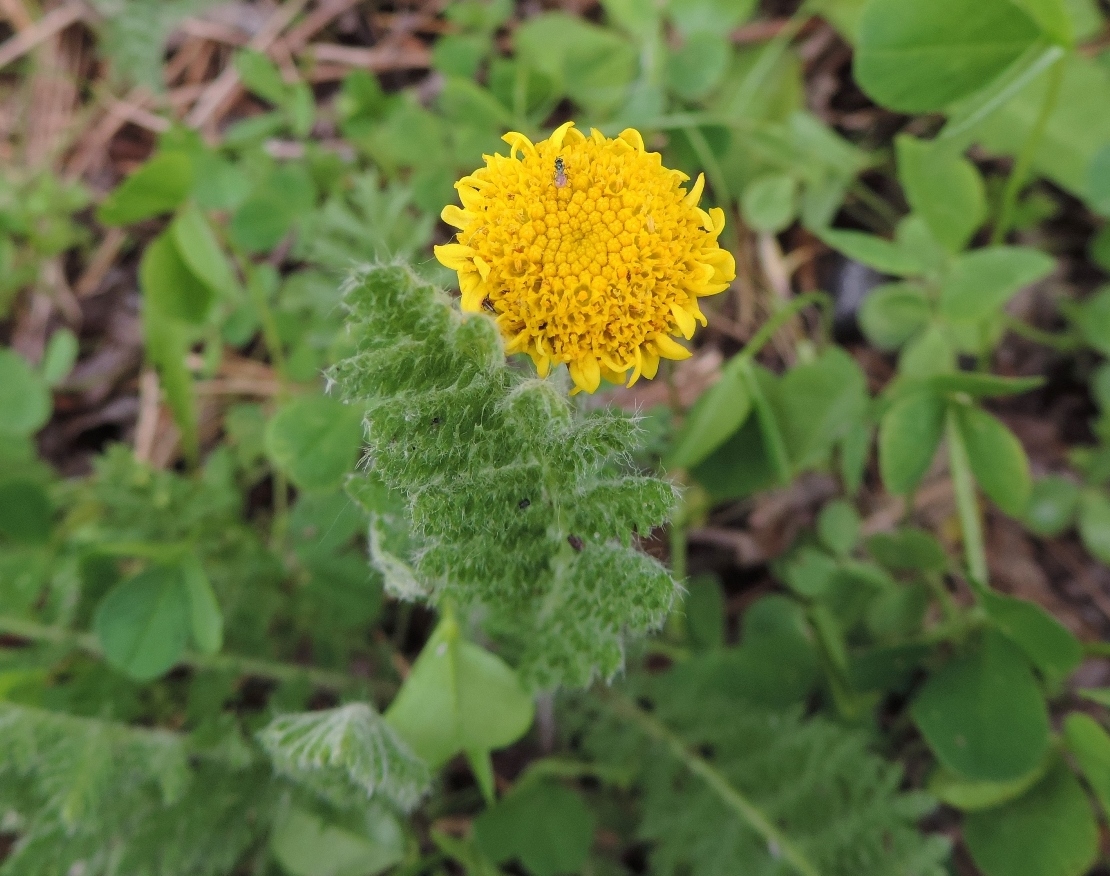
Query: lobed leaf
<point x="518" y="504"/>
<point x="352" y="747"/>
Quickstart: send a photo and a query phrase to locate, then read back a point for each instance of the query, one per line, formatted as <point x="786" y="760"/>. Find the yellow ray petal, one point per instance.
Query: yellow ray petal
<point x="586" y="373"/>
<point x="637" y="366"/>
<point x="718" y="217"/>
<point x="455" y="256"/>
<point x="469" y="281"/>
<point x="711" y="289"/>
<point x="613" y="376"/>
<point x="670" y="348"/>
<point x="684" y="320"/>
<point x="694" y="195"/>
<point x="633" y="138"/>
<point x="542" y="362"/>
<point x="555" y="141"/>
<point x="472" y="299"/>
<point x="517" y="140"/>
<point x="518" y="344"/>
<point x="454" y="215"/>
<point x="471" y="198"/>
<point x="695" y="311"/>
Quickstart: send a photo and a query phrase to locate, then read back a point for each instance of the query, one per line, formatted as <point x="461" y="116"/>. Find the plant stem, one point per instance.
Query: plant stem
<point x="255" y="666"/>
<point x="871" y="199"/>
<point x="947" y="603"/>
<point x="1096" y="649"/>
<point x="752" y="815"/>
<point x="755" y="81"/>
<point x="271" y="338"/>
<point x="768" y="425"/>
<point x="1025" y="158"/>
<point x="1064" y="342"/>
<point x="678" y="549"/>
<point x="780" y="318"/>
<point x="966" y="503"/>
<point x="717" y="181"/>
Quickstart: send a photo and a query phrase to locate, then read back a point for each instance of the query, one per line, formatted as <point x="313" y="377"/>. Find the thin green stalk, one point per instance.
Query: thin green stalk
<point x="674" y="653"/>
<point x="1025" y="158"/>
<point x="279" y="524"/>
<point x="871" y="199"/>
<point x="947" y="603"/>
<point x="774" y="49"/>
<point x="678" y="550"/>
<point x="768" y="425"/>
<point x="568" y="768"/>
<point x="271" y="337"/>
<point x="717" y="181"/>
<point x="260" y="668"/>
<point x="520" y="96"/>
<point x="1064" y="342"/>
<point x="748" y="812"/>
<point x="781" y="317"/>
<point x="966" y="502"/>
<point x="1096" y="649"/>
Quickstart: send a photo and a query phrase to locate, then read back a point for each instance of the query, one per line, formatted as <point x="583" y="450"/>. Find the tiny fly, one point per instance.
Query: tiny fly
<point x="560" y="174"/>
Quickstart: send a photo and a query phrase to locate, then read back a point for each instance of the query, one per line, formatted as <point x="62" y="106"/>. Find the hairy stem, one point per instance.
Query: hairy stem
<point x="966" y="503"/>
<point x="749" y="813"/>
<point x="1024" y="160"/>
<point x="254" y="666"/>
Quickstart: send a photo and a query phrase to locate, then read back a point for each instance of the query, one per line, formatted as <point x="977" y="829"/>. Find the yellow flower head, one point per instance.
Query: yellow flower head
<point x="588" y="251"/>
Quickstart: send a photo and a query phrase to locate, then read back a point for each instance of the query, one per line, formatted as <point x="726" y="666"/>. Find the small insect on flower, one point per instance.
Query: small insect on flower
<point x="560" y="174"/>
<point x="601" y="275"/>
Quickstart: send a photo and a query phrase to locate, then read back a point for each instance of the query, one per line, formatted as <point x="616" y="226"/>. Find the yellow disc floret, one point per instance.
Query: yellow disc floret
<point x="587" y="251"/>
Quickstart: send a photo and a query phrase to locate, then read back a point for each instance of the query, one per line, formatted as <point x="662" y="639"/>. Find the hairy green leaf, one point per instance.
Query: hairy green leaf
<point x="517" y="504"/>
<point x="346" y="752"/>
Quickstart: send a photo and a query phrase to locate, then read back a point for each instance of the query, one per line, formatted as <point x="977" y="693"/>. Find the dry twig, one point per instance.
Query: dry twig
<point x="223" y="88"/>
<point x="52" y="23"/>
